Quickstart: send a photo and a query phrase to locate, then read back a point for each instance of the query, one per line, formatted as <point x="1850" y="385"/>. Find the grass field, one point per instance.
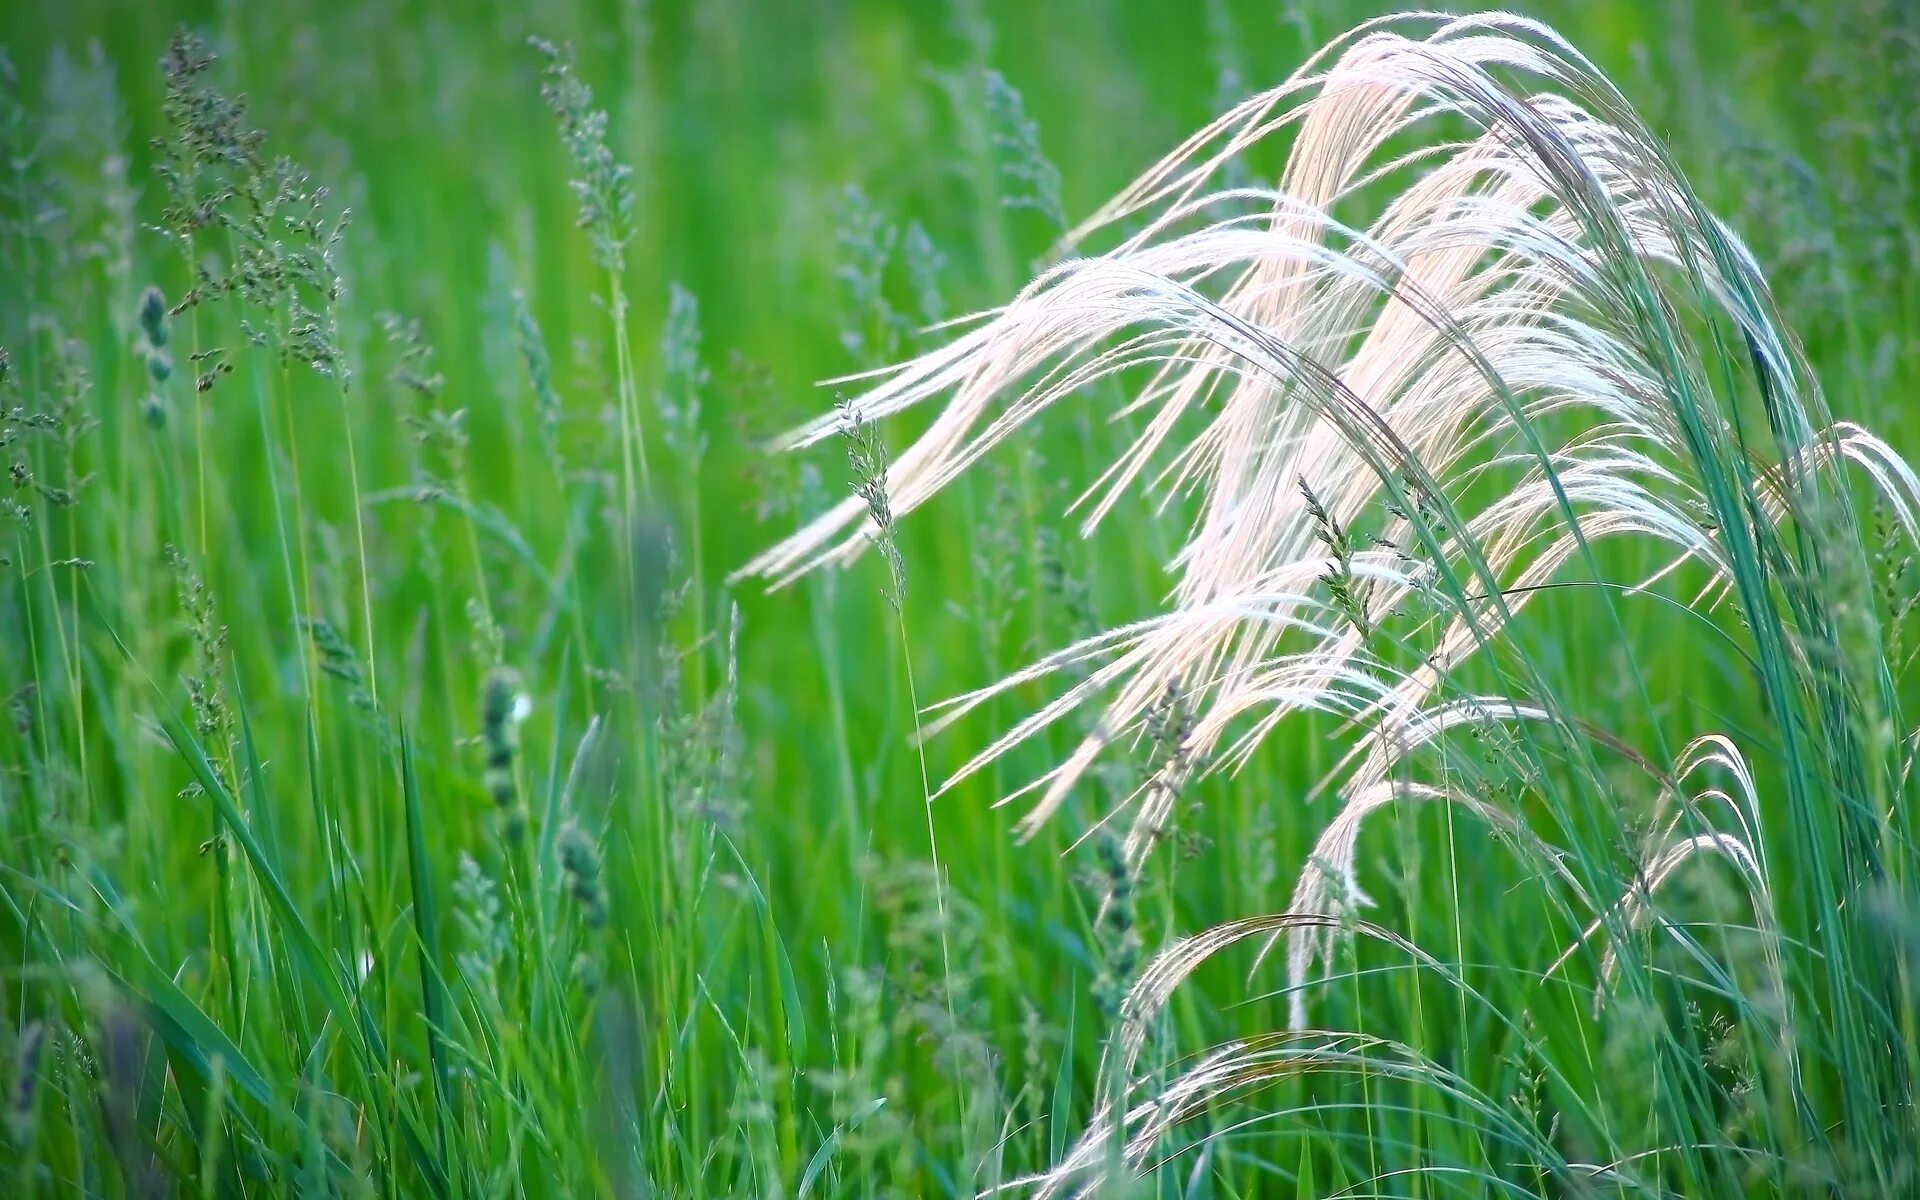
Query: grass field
<point x="402" y="793"/>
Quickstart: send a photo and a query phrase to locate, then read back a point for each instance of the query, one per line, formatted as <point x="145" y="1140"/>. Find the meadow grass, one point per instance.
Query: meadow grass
<point x="407" y="789"/>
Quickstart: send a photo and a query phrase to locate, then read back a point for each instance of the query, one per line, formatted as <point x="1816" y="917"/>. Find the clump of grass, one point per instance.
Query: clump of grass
<point x="1541" y="343"/>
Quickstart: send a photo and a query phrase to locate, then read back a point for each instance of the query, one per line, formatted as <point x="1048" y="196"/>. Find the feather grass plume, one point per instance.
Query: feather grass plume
<point x="1540" y="343"/>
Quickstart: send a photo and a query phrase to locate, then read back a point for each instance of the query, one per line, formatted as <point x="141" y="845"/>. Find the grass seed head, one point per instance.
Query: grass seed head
<point x="212" y="717"/>
<point x="539" y="368"/>
<point x="865" y="241"/>
<point x="601" y="183"/>
<point x="1028" y="178"/>
<point x="1116" y="925"/>
<point x="22" y="1099"/>
<point x="867" y="457"/>
<point x="580" y="863"/>
<point x="684" y="377"/>
<point x="481" y="920"/>
<point x="153" y="316"/>
<point x="502" y="707"/>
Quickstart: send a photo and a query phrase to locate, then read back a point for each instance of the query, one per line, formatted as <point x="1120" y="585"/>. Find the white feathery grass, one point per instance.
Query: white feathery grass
<point x="1500" y="360"/>
<point x="1241" y="1067"/>
<point x="1744" y="849"/>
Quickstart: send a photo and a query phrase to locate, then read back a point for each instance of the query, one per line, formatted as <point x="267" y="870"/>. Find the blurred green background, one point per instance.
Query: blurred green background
<point x="822" y="179"/>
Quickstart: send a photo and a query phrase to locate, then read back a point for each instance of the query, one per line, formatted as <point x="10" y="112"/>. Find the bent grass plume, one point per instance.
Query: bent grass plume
<point x="1540" y="344"/>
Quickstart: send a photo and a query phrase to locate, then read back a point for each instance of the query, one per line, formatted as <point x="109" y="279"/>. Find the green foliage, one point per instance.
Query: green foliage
<point x="397" y="801"/>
